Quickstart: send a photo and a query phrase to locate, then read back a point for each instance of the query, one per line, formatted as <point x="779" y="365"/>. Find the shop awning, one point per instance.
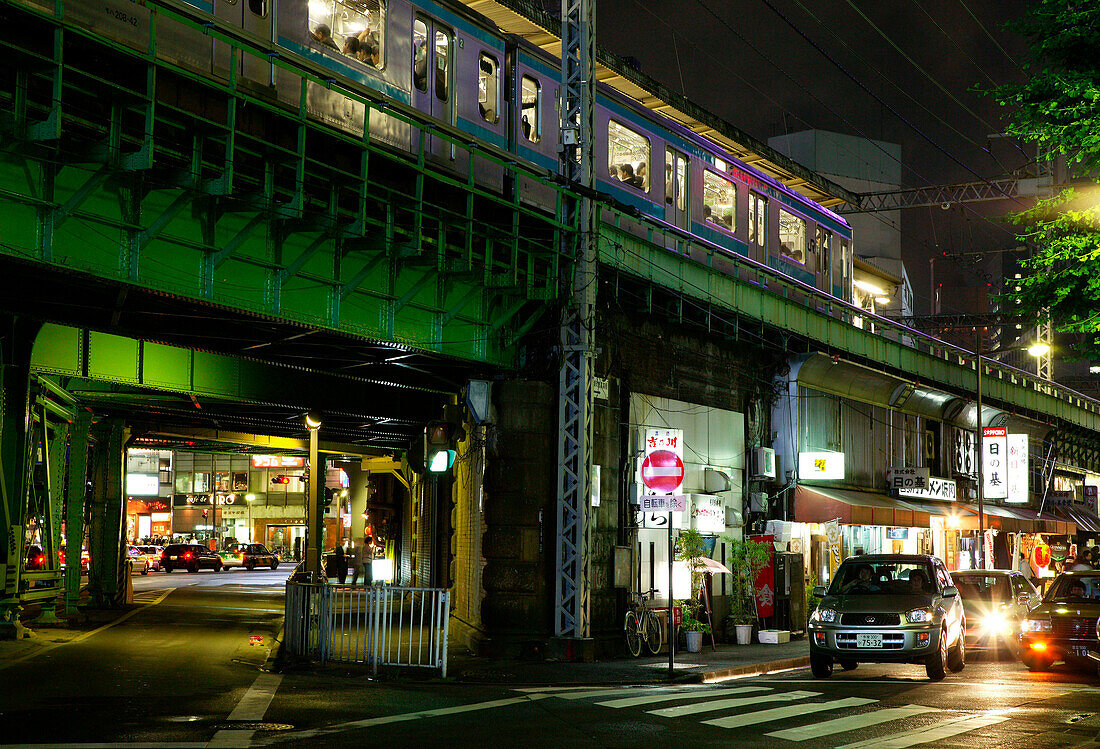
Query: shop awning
<point x="1085" y="519"/>
<point x="816" y="504"/>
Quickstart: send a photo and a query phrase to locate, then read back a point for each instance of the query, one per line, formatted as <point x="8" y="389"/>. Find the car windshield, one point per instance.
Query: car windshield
<point x="982" y="587"/>
<point x="1069" y="588"/>
<point x="882" y="578"/>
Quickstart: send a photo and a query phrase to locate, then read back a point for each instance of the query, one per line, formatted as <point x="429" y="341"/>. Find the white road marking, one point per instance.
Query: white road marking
<point x="697" y="694"/>
<point x="86" y="635"/>
<point x="257" y="699"/>
<point x="231" y="738"/>
<point x="581" y="694"/>
<point x="707" y="707"/>
<point x="559" y="689"/>
<point x="403" y="717"/>
<point x="850" y="723"/>
<point x="942" y="730"/>
<point x="790" y="711"/>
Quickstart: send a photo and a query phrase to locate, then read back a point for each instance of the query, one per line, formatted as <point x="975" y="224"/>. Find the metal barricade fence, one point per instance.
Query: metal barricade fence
<point x="376" y="625"/>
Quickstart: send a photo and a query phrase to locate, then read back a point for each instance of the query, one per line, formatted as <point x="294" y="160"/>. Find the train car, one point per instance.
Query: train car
<point x="456" y="67"/>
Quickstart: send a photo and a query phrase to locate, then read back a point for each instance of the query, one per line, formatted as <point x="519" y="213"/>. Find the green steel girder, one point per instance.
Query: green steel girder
<point x="116" y="209"/>
<point x="779" y="303"/>
<point x="92" y="355"/>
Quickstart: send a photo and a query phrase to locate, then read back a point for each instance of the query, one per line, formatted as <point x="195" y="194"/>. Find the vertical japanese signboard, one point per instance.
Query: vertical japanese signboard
<point x="663" y="465"/>
<point x="994" y="462"/>
<point x="832" y="533"/>
<point x="1016" y="469"/>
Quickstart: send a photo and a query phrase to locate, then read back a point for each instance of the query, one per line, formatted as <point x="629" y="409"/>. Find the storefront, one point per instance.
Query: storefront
<point x="147" y="518"/>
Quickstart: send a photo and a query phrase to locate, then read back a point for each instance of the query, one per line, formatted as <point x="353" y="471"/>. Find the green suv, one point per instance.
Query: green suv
<point x="889" y="608"/>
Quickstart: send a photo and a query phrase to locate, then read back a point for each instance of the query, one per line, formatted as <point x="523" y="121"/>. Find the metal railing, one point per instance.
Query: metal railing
<point x="375" y="625"/>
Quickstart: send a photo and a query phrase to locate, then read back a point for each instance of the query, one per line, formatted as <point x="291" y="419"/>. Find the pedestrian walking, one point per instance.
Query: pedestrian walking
<point x="355" y="559"/>
<point x="341" y="563"/>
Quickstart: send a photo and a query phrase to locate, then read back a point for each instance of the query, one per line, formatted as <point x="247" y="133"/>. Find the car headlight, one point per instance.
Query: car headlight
<point x="1036" y="625"/>
<point x="824" y="615"/>
<point x="995" y="622"/>
<point x="919" y="616"/>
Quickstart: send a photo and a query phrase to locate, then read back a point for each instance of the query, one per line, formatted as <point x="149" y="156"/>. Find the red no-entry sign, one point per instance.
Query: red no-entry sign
<point x="663" y="471"/>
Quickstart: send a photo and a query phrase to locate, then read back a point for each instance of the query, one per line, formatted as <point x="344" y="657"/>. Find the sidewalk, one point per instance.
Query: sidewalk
<point x="726" y="661"/>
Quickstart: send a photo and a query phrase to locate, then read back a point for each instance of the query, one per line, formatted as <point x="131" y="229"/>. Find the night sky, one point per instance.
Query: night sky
<point x="754" y="63"/>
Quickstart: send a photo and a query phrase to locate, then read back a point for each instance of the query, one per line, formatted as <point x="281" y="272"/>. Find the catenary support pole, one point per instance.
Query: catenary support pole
<point x="572" y="584"/>
<point x="315" y="521"/>
<point x="981" y="458"/>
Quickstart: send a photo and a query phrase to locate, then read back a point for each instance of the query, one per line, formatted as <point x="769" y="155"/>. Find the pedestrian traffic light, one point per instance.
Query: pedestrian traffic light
<point x="439" y="454"/>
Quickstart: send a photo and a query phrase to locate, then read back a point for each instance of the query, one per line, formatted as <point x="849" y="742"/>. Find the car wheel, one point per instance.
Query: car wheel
<point x="251" y="566"/>
<point x="956" y="659"/>
<point x="821" y="666"/>
<point x="218" y="567"/>
<point x="145" y="570"/>
<point x="274" y="565"/>
<point x="848" y="665"/>
<point x="167" y="568"/>
<point x="936" y="664"/>
<point x="193" y="568"/>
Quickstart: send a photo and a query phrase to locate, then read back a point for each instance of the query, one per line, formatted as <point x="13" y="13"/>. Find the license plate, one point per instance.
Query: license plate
<point x="868" y="641"/>
<point x="1081" y="651"/>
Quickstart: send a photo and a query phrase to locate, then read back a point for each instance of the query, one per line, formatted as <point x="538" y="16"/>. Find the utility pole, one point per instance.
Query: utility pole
<point x="981" y="451"/>
<point x="571" y="589"/>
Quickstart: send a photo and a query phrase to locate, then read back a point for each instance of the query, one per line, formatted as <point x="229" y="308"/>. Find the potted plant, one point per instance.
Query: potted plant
<point x="693" y="628"/>
<point x="745" y="559"/>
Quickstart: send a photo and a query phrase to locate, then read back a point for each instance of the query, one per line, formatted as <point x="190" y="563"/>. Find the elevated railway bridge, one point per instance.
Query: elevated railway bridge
<point x="190" y="263"/>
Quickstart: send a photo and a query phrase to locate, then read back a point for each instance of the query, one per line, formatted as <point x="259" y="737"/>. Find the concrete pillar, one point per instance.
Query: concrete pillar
<point x="16" y="341"/>
<point x="106" y="585"/>
<point x="75" y="491"/>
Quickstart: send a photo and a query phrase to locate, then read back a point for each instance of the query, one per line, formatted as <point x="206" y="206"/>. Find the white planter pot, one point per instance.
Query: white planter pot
<point x="744" y="634"/>
<point x="694" y="641"/>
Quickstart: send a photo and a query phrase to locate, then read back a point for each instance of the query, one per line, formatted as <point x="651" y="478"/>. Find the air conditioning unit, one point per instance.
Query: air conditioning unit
<point x="758" y="502"/>
<point x="763" y="463"/>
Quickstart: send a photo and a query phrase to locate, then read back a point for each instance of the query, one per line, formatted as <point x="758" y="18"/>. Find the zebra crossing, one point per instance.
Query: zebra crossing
<point x="765" y="707"/>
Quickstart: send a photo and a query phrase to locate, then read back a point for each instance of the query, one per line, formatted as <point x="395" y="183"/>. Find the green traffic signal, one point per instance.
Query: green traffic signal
<point x="441" y="460"/>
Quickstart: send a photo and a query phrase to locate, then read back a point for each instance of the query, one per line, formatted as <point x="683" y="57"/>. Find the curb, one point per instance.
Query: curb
<point x="753" y="669"/>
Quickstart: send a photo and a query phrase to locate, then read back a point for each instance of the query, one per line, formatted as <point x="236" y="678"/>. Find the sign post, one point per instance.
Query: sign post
<point x="663" y="475"/>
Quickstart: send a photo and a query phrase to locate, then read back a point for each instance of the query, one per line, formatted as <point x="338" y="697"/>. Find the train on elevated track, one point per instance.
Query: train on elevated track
<point x="456" y="66"/>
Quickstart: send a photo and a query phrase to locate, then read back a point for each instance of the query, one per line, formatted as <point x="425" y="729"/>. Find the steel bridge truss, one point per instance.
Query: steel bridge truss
<point x="120" y="164"/>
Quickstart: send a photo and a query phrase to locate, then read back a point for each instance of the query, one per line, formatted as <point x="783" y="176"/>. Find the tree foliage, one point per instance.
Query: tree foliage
<point x="1058" y="108"/>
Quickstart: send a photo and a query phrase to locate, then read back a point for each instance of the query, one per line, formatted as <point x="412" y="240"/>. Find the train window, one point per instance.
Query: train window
<point x="442" y="63"/>
<point x="354" y="27"/>
<point x="719" y="200"/>
<point x="258" y="7"/>
<point x="825" y="249"/>
<point x="792" y="237"/>
<point x="628" y="156"/>
<point x="420" y="54"/>
<point x="758" y="220"/>
<point x="530" y="104"/>
<point x="676" y="166"/>
<point x="488" y="88"/>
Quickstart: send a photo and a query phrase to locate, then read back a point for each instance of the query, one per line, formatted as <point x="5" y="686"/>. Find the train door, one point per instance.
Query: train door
<point x="255" y="17"/>
<point x="433" y="76"/>
<point x="677" y="204"/>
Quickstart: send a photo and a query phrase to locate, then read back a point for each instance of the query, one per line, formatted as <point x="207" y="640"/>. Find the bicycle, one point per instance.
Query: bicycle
<point x="642" y="625"/>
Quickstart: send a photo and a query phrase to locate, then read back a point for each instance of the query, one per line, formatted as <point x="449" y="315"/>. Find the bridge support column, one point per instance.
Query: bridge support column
<point x="75" y="491"/>
<point x="16" y="341"/>
<point x="105" y="582"/>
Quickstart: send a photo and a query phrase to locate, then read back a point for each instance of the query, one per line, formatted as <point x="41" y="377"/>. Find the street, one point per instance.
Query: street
<point x="181" y="672"/>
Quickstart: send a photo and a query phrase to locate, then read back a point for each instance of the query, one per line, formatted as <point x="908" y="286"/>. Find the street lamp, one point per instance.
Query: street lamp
<point x="1039" y="349"/>
<point x="250" y="498"/>
<point x="314" y="520"/>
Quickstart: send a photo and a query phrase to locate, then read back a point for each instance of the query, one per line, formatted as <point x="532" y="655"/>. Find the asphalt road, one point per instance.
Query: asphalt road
<point x="990" y="704"/>
<point x="180" y="672"/>
<point x="168" y="673"/>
